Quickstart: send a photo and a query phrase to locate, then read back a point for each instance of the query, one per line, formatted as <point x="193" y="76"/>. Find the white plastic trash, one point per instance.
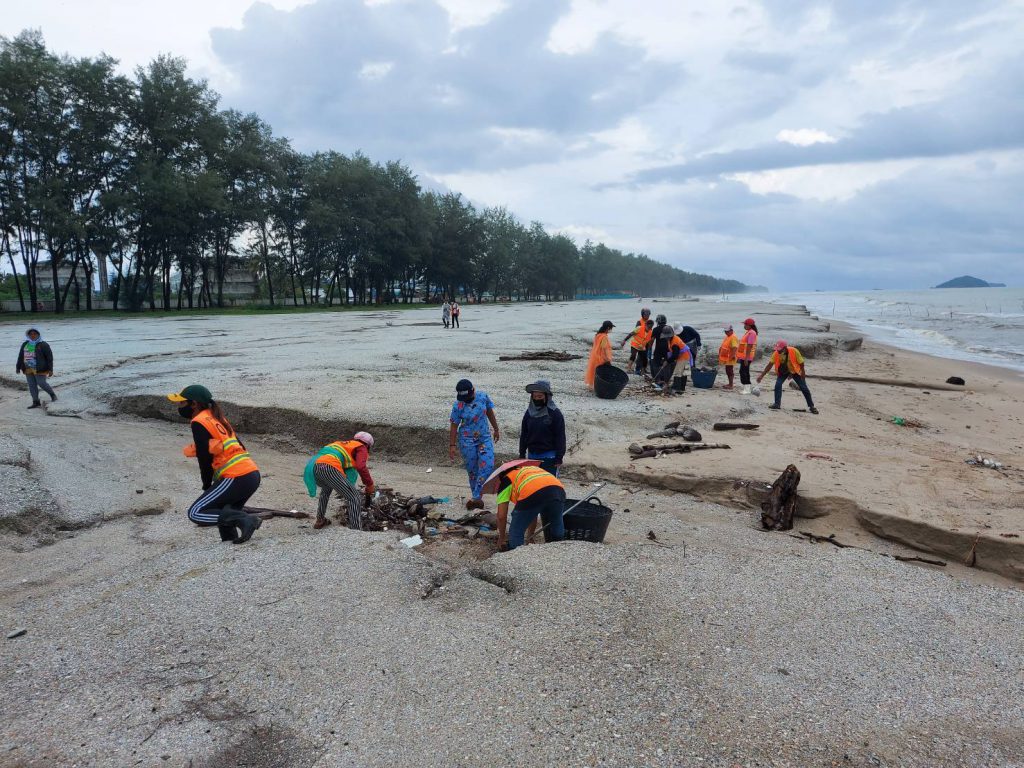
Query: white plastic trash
<point x="412" y="541"/>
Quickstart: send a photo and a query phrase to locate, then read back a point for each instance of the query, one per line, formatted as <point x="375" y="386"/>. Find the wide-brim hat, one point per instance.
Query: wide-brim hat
<point x="494" y="480"/>
<point x="540" y="386"/>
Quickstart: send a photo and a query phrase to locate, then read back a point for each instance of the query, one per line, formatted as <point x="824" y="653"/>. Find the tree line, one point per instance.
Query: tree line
<point x="145" y="177"/>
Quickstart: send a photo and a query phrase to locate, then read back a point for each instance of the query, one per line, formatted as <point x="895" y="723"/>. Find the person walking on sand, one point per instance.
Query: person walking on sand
<point x="446" y="313"/>
<point x="335" y="468"/>
<point x="600" y="352"/>
<point x="229" y="474"/>
<point x="727" y="353"/>
<point x="788" y="362"/>
<point x="542" y="435"/>
<point x="469" y="425"/>
<point x="35" y="361"/>
<point x="747" y="349"/>
<point x="638" y="339"/>
<point x="456" y="311"/>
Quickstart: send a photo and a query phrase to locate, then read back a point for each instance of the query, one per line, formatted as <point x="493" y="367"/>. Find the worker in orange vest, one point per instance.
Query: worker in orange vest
<point x="677" y="350"/>
<point x="747" y="349"/>
<point x="727" y="353"/>
<point x="639" y="339"/>
<point x="335" y="468"/>
<point x="534" y="492"/>
<point x="788" y="362"/>
<point x="230" y="476"/>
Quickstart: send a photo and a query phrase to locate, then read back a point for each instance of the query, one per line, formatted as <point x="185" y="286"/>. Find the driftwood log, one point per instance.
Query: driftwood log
<point x="637" y="451"/>
<point x="723" y="426"/>
<point x="552" y="355"/>
<point x="777" y="511"/>
<point x="689" y="434"/>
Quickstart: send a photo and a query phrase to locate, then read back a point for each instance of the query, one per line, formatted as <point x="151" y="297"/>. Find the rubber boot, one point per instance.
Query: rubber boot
<point x="247" y="526"/>
<point x="227" y="524"/>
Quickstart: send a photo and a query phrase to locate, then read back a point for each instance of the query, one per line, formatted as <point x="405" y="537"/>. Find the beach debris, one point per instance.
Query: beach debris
<point x="831" y="539"/>
<point x="956" y="380"/>
<point x="688" y="433"/>
<point x="548" y="354"/>
<point x="724" y="426"/>
<point x="777" y="510"/>
<point x="818" y="456"/>
<point x="637" y="451"/>
<point x="651" y="535"/>
<point x="981" y="461"/>
<point x="429" y="470"/>
<point x="1010" y="535"/>
<point x="902" y="421"/>
<point x="16" y="633"/>
<point x="265" y="513"/>
<point x="412" y="541"/>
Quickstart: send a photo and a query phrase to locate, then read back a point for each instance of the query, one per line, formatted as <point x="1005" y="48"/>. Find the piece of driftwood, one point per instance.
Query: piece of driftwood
<point x="830" y="539"/>
<point x="689" y="434"/>
<point x="548" y="354"/>
<point x="724" y="426"/>
<point x="777" y="511"/>
<point x="266" y="513"/>
<point x="650" y="451"/>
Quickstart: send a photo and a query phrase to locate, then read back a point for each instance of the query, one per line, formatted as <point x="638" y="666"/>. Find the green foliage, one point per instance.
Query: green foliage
<point x="147" y="177"/>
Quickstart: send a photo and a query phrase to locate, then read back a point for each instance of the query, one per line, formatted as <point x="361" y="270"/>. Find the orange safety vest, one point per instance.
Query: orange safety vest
<point x="230" y="459"/>
<point x="346" y="450"/>
<point x="796" y="361"/>
<point x="642" y="335"/>
<point x="727" y="352"/>
<point x="526" y="481"/>
<point x="748" y="346"/>
<point x="677" y="343"/>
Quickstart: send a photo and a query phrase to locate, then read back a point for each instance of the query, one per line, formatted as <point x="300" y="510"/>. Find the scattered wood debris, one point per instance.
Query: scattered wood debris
<point x="548" y="354"/>
<point x="674" y="429"/>
<point x="831" y="539"/>
<point x="637" y="451"/>
<point x="724" y="426"/>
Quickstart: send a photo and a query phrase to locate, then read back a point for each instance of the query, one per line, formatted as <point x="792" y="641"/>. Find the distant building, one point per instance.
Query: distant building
<point x="239" y="284"/>
<point x="44" y="277"/>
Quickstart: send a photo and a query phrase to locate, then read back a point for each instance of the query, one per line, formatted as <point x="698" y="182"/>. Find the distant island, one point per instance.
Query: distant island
<point x="966" y="281"/>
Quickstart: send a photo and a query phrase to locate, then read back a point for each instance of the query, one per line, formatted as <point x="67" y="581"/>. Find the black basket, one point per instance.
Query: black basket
<point x="609" y="381"/>
<point x="704" y="378"/>
<point x="588" y="522"/>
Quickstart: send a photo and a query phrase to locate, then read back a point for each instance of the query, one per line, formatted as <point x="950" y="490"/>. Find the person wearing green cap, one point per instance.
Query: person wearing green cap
<point x="229" y="474"/>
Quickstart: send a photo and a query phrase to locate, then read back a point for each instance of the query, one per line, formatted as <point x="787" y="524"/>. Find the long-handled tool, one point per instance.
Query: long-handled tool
<point x="589" y="496"/>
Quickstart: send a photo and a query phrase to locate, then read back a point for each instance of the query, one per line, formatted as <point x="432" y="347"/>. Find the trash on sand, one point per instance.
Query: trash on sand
<point x="637" y="451"/>
<point x="755" y="390"/>
<point x="16" y="633"/>
<point x="818" y="456"/>
<point x="981" y="461"/>
<point x="430" y="469"/>
<point x="903" y="421"/>
<point x="955" y="380"/>
<point x="412" y="541"/>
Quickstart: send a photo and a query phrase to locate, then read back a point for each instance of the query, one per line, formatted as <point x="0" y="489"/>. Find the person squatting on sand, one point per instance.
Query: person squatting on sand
<point x="35" y="360"/>
<point x="788" y="362"/>
<point x="639" y="340"/>
<point x="600" y="352"/>
<point x="470" y="414"/>
<point x="335" y="467"/>
<point x="533" y="492"/>
<point x="675" y="351"/>
<point x="747" y="349"/>
<point x="542" y="434"/>
<point x="229" y="474"/>
<point x="727" y="353"/>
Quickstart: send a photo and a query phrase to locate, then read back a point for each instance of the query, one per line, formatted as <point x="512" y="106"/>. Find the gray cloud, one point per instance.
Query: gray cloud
<point x="988" y="116"/>
<point x="426" y="93"/>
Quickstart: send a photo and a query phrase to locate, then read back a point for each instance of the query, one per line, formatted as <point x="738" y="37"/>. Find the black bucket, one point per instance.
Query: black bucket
<point x="588" y="522"/>
<point x="679" y="384"/>
<point x="609" y="381"/>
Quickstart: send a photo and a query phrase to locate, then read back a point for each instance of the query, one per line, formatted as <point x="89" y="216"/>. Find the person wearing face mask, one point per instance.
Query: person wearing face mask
<point x="35" y="360"/>
<point x="229" y="474"/>
<point x="469" y="424"/>
<point x="542" y="435"/>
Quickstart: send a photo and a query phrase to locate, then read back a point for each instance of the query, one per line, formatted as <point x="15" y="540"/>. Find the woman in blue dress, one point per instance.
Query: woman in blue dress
<point x="469" y="426"/>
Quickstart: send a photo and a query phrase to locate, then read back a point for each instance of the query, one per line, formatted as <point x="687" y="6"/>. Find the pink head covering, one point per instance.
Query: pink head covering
<point x="365" y="438"/>
<point x="780" y="345"/>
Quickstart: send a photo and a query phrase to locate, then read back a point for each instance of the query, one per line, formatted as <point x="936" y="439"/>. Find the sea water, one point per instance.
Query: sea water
<point x="984" y="325"/>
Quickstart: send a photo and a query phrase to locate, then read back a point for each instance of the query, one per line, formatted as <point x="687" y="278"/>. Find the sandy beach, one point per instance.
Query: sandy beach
<point x="714" y="644"/>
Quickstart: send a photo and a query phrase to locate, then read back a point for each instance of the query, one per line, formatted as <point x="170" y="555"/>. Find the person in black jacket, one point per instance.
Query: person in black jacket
<point x="691" y="338"/>
<point x="35" y="360"/>
<point x="542" y="435"/>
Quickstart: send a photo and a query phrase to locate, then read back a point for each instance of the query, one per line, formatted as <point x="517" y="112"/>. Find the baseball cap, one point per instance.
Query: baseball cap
<point x="780" y="345"/>
<point x="197" y="393"/>
<point x="463" y="390"/>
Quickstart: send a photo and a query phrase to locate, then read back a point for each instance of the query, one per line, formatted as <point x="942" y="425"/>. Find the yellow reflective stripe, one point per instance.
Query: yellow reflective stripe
<point x="230" y="443"/>
<point x="231" y="462"/>
<point x="522" y="482"/>
<point x="345" y="458"/>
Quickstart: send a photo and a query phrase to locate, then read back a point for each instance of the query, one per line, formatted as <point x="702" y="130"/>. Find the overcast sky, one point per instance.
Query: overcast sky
<point x="801" y="145"/>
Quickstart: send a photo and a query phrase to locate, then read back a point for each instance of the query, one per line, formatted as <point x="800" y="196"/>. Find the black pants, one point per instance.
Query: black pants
<point x="744" y="371"/>
<point x="455" y="321"/>
<point x="800" y="382"/>
<point x="231" y="492"/>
